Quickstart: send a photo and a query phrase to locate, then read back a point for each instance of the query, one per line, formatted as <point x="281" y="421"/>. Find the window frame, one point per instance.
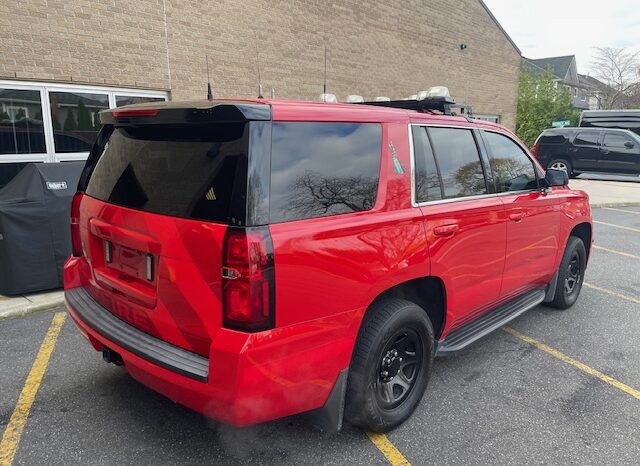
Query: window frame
<point x="44" y="88"/>
<point x="482" y="153"/>
<point x="490" y="117"/>
<point x="46" y="119"/>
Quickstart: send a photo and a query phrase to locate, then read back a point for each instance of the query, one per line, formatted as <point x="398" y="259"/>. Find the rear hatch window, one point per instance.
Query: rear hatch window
<point x="550" y="138"/>
<point x="189" y="171"/>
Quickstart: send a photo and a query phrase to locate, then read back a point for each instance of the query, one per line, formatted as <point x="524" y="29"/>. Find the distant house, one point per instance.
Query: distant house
<point x="565" y="72"/>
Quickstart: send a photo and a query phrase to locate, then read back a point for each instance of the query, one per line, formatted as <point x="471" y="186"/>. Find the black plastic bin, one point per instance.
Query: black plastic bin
<point x="34" y="226"/>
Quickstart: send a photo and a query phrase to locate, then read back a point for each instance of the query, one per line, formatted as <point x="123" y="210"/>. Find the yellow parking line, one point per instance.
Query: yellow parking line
<point x="612" y="293"/>
<point x="637" y="230"/>
<point x="613" y="251"/>
<point x="13" y="432"/>
<point x="388" y="449"/>
<point x="577" y="364"/>
<point x="622" y="210"/>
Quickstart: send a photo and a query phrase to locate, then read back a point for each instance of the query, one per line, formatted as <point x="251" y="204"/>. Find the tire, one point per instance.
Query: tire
<point x="570" y="274"/>
<point x="383" y="388"/>
<point x="558" y="164"/>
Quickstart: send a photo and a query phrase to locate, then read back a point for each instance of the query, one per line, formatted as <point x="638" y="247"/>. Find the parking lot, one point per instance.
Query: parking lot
<point x="552" y="387"/>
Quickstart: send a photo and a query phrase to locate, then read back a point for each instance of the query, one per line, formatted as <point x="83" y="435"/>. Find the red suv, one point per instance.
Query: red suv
<point x="254" y="259"/>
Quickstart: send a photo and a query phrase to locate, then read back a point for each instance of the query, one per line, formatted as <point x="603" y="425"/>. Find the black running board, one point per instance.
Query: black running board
<point x="486" y="323"/>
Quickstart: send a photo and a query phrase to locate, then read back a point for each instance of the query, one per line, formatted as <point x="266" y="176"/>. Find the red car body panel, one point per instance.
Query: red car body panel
<point x="328" y="271"/>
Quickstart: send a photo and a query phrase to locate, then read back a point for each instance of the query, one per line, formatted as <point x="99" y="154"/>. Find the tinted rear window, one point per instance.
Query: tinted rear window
<point x="320" y="169"/>
<point x="195" y="171"/>
<point x="550" y="138"/>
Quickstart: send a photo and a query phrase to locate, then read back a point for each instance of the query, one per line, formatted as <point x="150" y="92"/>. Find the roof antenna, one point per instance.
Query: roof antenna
<point x="324" y="88"/>
<point x="209" y="90"/>
<point x="260" y="96"/>
<point x="273" y="93"/>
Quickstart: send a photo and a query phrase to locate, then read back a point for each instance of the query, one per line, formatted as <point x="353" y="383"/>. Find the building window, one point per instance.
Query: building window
<point x="21" y="127"/>
<point x="50" y="122"/>
<point x="122" y="100"/>
<point x="490" y="118"/>
<point x="75" y="120"/>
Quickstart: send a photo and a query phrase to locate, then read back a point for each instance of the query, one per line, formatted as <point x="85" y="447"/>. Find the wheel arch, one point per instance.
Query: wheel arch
<point x="427" y="292"/>
<point x="585" y="233"/>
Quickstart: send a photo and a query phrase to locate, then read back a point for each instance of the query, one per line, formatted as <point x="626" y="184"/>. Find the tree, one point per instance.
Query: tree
<point x="541" y="101"/>
<point x="84" y="117"/>
<point x="96" y="120"/>
<point x="313" y="194"/>
<point x="619" y="69"/>
<point x="70" y="123"/>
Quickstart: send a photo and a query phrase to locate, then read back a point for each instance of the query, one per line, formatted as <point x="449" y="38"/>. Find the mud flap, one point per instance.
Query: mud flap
<point x="551" y="288"/>
<point x="329" y="417"/>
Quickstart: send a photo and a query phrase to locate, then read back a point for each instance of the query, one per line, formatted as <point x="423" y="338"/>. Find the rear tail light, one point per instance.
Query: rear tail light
<point x="135" y="112"/>
<point x="248" y="280"/>
<point x="76" y="243"/>
<point x="534" y="150"/>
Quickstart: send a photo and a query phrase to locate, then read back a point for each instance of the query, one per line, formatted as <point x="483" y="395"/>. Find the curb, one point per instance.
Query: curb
<point x="615" y="204"/>
<point x="22" y="310"/>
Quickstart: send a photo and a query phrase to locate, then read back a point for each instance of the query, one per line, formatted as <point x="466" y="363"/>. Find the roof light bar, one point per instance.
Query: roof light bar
<point x="355" y="99"/>
<point x="329" y="98"/>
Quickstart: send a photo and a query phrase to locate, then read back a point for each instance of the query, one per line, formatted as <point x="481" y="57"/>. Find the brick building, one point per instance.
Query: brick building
<point x="61" y="61"/>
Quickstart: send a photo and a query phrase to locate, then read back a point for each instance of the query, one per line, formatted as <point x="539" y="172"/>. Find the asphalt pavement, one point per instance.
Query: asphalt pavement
<point x="504" y="400"/>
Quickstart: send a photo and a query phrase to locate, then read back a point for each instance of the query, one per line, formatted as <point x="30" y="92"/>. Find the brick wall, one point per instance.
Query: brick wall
<point x="393" y="48"/>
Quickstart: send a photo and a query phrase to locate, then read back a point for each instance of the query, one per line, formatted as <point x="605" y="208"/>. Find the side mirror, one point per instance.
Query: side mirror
<point x="555" y="177"/>
<point x="628" y="145"/>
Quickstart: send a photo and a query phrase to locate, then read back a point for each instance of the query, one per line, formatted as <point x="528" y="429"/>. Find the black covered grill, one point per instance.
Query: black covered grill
<point x="34" y="226"/>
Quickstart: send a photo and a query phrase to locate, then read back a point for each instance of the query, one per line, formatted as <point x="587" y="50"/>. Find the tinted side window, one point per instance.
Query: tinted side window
<point x="320" y="169"/>
<point x="426" y="179"/>
<point x="511" y="166"/>
<point x="459" y="162"/>
<point x="616" y="140"/>
<point x="586" y="139"/>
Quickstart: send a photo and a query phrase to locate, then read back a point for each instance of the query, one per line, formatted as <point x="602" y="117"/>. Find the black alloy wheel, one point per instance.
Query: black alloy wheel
<point x="390" y="365"/>
<point x="400" y="364"/>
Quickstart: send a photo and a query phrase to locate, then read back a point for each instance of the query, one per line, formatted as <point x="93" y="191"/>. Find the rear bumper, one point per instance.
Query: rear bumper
<point x="137" y="342"/>
<point x="246" y="378"/>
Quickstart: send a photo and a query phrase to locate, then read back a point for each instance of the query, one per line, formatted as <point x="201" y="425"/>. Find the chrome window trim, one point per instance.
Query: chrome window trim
<point x="451" y="199"/>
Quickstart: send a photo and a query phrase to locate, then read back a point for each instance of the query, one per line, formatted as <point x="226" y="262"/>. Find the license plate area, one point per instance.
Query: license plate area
<point x="130" y="262"/>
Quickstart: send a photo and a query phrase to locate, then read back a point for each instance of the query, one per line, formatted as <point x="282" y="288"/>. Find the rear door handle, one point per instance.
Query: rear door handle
<point x="516" y="216"/>
<point x="445" y="230"/>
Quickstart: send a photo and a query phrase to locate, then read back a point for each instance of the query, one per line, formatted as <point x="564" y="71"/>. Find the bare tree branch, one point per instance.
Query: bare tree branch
<point x="619" y="70"/>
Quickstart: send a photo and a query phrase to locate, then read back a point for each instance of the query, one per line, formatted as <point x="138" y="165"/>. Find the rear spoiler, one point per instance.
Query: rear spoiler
<point x="185" y="112"/>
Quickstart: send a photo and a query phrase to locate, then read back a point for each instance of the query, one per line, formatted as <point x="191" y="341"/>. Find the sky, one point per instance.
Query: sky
<point x="549" y="28"/>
